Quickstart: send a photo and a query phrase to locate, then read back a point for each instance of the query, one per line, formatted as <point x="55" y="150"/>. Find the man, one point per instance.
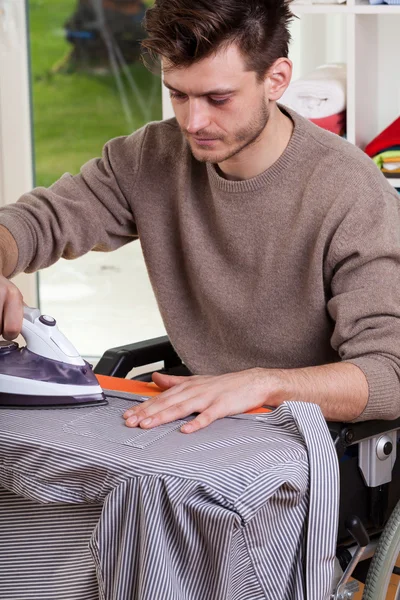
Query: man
<point x="272" y="245"/>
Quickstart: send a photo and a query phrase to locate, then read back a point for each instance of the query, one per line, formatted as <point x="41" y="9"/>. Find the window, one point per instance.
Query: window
<point x="88" y="86"/>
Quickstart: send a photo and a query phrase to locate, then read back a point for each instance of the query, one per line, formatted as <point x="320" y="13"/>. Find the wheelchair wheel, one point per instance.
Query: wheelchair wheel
<point x="384" y="560"/>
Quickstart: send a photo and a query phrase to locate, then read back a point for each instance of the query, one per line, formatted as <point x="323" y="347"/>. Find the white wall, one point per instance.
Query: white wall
<point x="16" y="172"/>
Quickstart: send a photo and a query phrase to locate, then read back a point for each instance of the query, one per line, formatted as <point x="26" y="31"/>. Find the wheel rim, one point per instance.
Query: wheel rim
<point x="384" y="561"/>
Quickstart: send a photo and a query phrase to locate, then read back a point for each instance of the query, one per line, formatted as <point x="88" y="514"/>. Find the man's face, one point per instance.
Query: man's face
<point x="221" y="108"/>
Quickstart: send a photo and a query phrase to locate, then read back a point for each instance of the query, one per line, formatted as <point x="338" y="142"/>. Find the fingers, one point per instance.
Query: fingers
<point x="161" y="410"/>
<point x="158" y="400"/>
<point x="167" y="381"/>
<point x="170" y="414"/>
<point x="11" y="309"/>
<point x="203" y="420"/>
<point x="138" y="407"/>
<point x="179" y="407"/>
<point x="178" y="411"/>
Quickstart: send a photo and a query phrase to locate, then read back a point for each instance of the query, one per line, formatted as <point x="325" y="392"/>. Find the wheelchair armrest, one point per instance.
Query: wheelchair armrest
<point x="348" y="434"/>
<point x="117" y="362"/>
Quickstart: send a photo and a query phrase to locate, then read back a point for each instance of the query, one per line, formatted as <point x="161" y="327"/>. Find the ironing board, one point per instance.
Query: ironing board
<point x="93" y="510"/>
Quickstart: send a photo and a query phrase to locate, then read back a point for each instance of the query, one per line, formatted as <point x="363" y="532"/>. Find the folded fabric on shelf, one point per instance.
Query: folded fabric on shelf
<point x="389" y="138"/>
<point x="320" y="94"/>
<point x="392" y="148"/>
<point x="391" y="167"/>
<point x="392" y="174"/>
<point x="387" y="159"/>
<point x="391" y="164"/>
<point x="334" y="123"/>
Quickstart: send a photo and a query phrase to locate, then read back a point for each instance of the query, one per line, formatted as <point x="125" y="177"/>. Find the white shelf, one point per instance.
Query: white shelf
<point x="395" y="182"/>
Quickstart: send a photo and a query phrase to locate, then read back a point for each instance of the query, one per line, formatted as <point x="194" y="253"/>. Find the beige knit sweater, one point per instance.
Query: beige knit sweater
<point x="299" y="266"/>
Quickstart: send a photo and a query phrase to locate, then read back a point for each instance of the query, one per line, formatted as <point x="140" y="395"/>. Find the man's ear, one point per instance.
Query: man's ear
<point x="278" y="78"/>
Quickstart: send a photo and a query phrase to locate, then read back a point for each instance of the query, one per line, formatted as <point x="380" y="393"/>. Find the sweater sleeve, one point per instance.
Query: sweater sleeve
<point x="77" y="214"/>
<point x="365" y="302"/>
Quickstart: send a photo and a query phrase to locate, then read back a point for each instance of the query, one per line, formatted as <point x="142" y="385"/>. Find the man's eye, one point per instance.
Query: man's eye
<point x="219" y="101"/>
<point x="178" y="96"/>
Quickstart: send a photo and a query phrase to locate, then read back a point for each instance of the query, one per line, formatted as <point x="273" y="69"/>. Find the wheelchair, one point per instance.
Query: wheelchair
<point x="368" y="542"/>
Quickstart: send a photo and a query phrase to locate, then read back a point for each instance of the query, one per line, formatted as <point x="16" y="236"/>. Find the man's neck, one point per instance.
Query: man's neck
<point x="264" y="152"/>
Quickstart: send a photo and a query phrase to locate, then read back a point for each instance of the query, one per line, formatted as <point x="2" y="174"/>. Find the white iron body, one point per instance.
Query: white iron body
<point x="48" y="372"/>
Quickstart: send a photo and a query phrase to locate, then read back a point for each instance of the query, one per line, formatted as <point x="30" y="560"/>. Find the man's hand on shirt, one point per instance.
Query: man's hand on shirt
<point x="340" y="389"/>
<point x="213" y="397"/>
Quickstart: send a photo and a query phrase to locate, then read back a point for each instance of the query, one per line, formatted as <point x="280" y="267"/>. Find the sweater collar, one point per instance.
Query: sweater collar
<point x="282" y="165"/>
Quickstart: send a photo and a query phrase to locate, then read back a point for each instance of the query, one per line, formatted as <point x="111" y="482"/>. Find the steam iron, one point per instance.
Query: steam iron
<point x="46" y="373"/>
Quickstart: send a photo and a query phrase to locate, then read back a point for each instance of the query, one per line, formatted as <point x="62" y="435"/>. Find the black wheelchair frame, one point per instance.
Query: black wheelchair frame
<point x="368" y="541"/>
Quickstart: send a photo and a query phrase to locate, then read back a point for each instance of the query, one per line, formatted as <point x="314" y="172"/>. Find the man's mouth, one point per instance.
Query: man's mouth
<point x="204" y="141"/>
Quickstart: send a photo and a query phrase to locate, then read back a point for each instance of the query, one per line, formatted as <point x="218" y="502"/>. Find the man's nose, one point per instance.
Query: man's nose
<point x="198" y="117"/>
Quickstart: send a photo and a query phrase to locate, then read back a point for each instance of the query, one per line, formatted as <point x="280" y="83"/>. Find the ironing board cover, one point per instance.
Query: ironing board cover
<point x="237" y="511"/>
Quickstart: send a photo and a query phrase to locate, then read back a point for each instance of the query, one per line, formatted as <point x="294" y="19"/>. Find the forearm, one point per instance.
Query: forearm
<point x="340" y="389"/>
<point x="8" y="252"/>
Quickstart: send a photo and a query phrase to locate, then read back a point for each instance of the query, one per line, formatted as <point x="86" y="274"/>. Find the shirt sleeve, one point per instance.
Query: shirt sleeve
<point x="77" y="214"/>
<point x="365" y="303"/>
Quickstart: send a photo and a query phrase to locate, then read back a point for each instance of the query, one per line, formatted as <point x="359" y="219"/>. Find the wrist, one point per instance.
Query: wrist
<point x="8" y="252"/>
<point x="277" y="386"/>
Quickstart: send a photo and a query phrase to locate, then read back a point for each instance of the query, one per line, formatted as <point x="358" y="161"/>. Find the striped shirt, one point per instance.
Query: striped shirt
<point x="245" y="509"/>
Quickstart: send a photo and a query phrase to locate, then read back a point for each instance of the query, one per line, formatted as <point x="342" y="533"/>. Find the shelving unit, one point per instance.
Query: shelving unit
<point x="367" y="39"/>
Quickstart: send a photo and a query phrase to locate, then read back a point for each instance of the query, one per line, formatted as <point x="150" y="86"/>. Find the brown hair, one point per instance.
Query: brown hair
<point x="186" y="31"/>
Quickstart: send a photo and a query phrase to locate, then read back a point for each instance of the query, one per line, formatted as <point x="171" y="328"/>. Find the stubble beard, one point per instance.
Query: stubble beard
<point x="244" y="138"/>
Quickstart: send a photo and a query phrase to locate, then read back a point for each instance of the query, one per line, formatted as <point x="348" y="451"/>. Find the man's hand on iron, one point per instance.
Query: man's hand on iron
<point x="213" y="397"/>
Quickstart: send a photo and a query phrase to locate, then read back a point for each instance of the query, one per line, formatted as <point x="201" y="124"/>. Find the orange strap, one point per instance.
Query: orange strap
<point x="141" y="388"/>
<point x="117" y="384"/>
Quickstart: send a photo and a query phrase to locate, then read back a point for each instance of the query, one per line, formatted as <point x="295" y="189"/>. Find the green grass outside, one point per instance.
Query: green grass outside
<point x="74" y="113"/>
